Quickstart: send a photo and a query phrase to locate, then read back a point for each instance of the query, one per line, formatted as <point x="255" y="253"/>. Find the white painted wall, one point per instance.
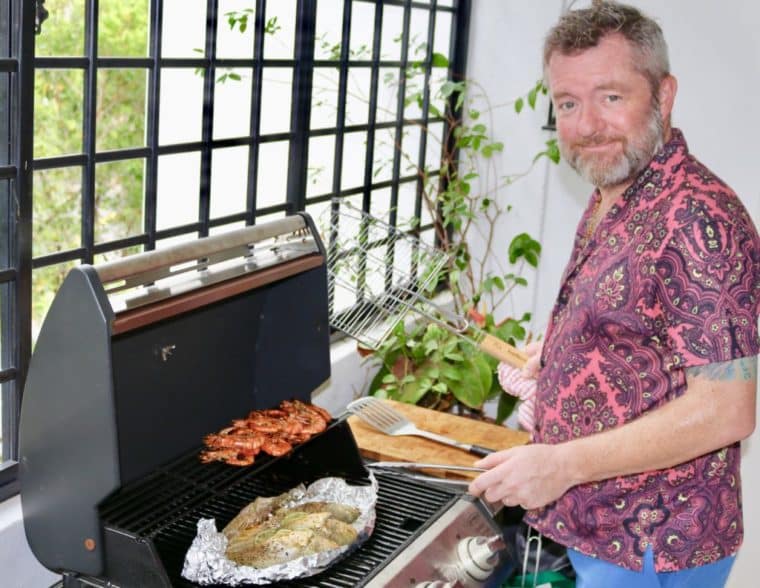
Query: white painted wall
<point x="715" y="54"/>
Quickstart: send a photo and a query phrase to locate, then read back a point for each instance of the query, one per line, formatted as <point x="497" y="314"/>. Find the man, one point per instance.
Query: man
<point x="648" y="369"/>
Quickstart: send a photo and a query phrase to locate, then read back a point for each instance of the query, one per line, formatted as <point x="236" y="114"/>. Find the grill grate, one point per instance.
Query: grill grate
<point x="165" y="507"/>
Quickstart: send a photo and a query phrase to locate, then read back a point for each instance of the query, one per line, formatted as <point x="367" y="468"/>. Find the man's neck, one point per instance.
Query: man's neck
<point x="610" y="194"/>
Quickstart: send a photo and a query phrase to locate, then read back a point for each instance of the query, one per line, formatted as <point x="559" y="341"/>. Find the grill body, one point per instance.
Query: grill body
<point x="149" y="526"/>
<point x="120" y="393"/>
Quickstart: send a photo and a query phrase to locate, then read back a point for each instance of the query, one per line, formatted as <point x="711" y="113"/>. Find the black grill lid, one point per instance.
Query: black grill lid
<point x="138" y="359"/>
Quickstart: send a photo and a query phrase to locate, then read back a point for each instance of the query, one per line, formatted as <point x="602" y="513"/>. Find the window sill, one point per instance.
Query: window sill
<point x="20" y="568"/>
<point x="8" y="480"/>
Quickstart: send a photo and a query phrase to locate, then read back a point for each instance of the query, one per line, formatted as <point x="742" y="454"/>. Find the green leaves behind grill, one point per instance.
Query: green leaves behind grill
<point x="430" y="366"/>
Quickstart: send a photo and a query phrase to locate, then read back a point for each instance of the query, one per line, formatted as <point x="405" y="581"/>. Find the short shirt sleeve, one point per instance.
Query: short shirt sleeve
<point x="708" y="279"/>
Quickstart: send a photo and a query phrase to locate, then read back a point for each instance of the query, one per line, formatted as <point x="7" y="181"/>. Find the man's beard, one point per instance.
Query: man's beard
<point x="638" y="151"/>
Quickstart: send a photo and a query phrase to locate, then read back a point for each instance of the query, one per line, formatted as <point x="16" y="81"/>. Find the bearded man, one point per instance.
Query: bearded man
<point x="647" y="375"/>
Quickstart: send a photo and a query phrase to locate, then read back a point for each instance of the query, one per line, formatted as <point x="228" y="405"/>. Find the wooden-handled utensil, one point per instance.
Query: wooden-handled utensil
<point x="386" y="272"/>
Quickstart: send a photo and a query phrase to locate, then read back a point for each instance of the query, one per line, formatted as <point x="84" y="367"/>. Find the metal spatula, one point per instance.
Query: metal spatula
<point x="382" y="417"/>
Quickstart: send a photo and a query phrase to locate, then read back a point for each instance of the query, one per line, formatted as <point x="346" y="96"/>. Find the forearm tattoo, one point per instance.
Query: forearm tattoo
<point x="744" y="368"/>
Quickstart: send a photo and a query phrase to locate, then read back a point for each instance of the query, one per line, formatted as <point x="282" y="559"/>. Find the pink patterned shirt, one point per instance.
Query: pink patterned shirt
<point x="669" y="279"/>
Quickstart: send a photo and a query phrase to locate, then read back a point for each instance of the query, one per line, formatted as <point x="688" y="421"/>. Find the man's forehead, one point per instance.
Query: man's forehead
<point x="609" y="63"/>
<point x="564" y="82"/>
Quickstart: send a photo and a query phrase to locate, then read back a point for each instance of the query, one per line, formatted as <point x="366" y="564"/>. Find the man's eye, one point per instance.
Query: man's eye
<point x="566" y="105"/>
<point x="613" y="98"/>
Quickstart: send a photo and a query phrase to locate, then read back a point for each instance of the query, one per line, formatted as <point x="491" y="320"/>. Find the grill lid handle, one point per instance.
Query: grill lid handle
<point x="150" y="266"/>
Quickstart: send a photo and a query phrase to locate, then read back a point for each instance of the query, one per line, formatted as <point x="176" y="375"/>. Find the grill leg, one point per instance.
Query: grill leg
<point x="70" y="580"/>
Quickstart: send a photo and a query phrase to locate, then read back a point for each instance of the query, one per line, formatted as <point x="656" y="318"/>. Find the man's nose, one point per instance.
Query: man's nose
<point x="589" y="121"/>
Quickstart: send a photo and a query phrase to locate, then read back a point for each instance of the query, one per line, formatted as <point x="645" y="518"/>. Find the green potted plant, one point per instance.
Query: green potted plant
<point x="421" y="362"/>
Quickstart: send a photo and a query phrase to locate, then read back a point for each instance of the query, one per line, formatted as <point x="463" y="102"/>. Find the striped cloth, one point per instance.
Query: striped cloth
<point x="514" y="383"/>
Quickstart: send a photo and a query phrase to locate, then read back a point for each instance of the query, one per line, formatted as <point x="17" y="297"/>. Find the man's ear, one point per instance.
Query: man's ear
<point x="667" y="96"/>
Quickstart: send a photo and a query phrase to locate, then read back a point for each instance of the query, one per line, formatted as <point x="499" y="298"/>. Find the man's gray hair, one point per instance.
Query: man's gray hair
<point x="582" y="29"/>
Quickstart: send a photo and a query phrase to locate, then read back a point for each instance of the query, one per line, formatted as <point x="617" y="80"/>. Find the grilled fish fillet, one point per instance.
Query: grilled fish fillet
<point x="280" y="546"/>
<point x="301" y="521"/>
<point x="338" y="531"/>
<point x="342" y="512"/>
<point x="265" y="533"/>
<point x="255" y="514"/>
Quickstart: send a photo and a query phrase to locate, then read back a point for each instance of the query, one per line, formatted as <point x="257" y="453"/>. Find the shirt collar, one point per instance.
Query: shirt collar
<point x="669" y="154"/>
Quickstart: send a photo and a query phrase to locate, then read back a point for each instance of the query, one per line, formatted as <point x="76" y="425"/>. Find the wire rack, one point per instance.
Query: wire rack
<point x="377" y="272"/>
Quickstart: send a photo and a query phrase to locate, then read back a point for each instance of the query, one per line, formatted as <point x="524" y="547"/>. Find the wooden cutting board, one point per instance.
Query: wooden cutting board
<point x="378" y="446"/>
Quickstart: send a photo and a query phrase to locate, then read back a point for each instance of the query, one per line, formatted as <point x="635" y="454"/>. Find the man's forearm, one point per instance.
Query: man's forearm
<point x="715" y="411"/>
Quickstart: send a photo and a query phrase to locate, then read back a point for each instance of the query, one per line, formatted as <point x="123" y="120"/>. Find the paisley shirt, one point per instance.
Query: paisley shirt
<point x="669" y="279"/>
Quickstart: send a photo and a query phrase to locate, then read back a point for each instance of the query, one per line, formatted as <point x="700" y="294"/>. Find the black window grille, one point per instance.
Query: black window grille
<point x="551" y="120"/>
<point x="16" y="46"/>
<point x="180" y="118"/>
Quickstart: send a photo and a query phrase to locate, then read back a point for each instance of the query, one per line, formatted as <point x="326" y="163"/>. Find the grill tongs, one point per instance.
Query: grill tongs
<point x="415" y="465"/>
<point x="379" y="415"/>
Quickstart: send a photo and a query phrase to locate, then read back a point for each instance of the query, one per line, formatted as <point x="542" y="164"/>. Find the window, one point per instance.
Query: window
<point x="155" y="122"/>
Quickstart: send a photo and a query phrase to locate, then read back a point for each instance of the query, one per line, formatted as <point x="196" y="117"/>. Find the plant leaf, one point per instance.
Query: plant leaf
<point x="532" y="98"/>
<point x="412" y="392"/>
<point x="381" y="393"/>
<point x="551" y="151"/>
<point x="505" y="407"/>
<point x="450" y="372"/>
<point x="510" y="330"/>
<point x="377" y="381"/>
<point x="439" y="60"/>
<point x="448" y="88"/>
<point x="524" y="246"/>
<point x="473" y="388"/>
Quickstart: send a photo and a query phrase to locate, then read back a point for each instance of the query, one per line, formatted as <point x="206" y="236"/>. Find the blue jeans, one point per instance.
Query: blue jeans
<point x="596" y="573"/>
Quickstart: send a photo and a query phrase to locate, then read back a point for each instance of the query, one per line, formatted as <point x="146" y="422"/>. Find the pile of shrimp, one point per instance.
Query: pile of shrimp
<point x="273" y="431"/>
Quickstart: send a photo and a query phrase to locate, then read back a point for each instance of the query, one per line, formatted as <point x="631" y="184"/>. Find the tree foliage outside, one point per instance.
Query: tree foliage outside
<point x="120" y="116"/>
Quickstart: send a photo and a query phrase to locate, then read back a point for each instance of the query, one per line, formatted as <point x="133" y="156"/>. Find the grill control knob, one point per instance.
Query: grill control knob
<point x="478" y="556"/>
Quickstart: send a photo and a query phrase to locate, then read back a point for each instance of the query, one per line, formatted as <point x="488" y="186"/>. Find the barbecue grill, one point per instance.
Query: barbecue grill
<point x="139" y="358"/>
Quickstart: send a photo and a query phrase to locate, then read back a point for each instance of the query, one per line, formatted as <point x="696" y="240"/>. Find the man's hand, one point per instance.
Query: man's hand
<point x="530" y="476"/>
